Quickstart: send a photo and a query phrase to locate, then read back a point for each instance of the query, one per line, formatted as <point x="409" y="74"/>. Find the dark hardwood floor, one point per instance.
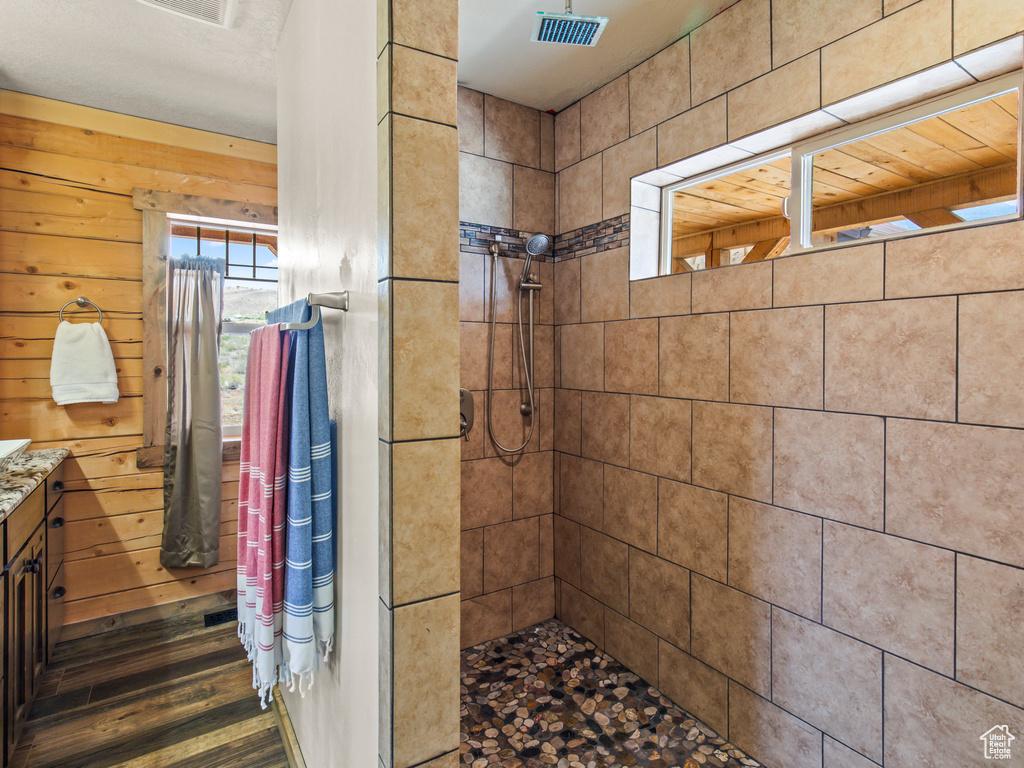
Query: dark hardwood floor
<point x="171" y="694"/>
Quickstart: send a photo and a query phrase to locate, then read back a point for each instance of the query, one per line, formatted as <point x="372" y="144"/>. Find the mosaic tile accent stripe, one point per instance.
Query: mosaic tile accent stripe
<point x="594" y="238"/>
<point x="477" y="238"/>
<point x="546" y="696"/>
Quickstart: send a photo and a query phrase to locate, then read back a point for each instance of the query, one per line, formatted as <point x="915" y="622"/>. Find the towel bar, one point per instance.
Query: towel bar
<point x="80" y="301"/>
<point x="337" y="300"/>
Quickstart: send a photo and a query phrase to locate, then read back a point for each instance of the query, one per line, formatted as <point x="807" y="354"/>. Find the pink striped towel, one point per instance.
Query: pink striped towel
<point x="261" y="505"/>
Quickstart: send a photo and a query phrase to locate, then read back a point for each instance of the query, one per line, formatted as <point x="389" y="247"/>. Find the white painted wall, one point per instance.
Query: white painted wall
<point x="327" y="150"/>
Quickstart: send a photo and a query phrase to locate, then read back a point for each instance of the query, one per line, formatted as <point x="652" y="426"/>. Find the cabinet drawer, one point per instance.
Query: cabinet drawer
<point x="56" y="596"/>
<point x="54" y="540"/>
<point x="23" y="521"/>
<point x="55" y="485"/>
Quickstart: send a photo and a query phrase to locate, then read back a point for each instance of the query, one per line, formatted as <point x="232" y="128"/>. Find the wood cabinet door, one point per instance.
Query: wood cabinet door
<point x="26" y="633"/>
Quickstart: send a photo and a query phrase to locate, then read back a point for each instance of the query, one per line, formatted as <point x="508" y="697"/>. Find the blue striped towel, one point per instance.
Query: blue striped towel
<point x="310" y="554"/>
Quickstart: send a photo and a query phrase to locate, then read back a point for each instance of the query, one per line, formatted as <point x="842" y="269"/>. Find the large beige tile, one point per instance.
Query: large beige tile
<point x="957" y="487"/>
<point x="990" y="623"/>
<point x="831" y="465"/>
<point x="775" y="554"/>
<point x="424" y="175"/>
<point x="977" y="23"/>
<point x="832" y="277"/>
<point x="385" y="350"/>
<point x="471" y="287"/>
<point x="783" y="94"/>
<point x="693" y="357"/>
<point x="567" y="291"/>
<point x="604" y="569"/>
<point x="693" y="527"/>
<point x="385" y="676"/>
<point x="741" y="36"/>
<point x="583" y="613"/>
<point x="838" y="755"/>
<point x="694" y="686"/>
<point x="581" y="490"/>
<point x="533" y="603"/>
<point x="693" y="131"/>
<point x="547" y="142"/>
<point x="776" y="357"/>
<point x="579" y="195"/>
<point x="892" y="358"/>
<point x="567" y="550"/>
<point x="511" y="132"/>
<point x="801" y="26"/>
<point x="582" y="356"/>
<point x="510" y="427"/>
<point x="631" y="507"/>
<point x="421" y="85"/>
<point x="743" y="651"/>
<point x="725" y="289"/>
<point x="532" y="485"/>
<point x="486" y="617"/>
<point x="486" y="493"/>
<point x="605" y="428"/>
<point x="621" y="163"/>
<point x="485" y="191"/>
<point x="567" y="137"/>
<point x="659" y="436"/>
<point x="772" y="734"/>
<point x="659" y="88"/>
<point x="604" y="116"/>
<point x="547" y="546"/>
<point x="659" y="597"/>
<point x="471" y="555"/>
<point x="964" y="261"/>
<point x="474" y="356"/>
<point x="604" y="286"/>
<point x="831" y="681"/>
<point x="429" y="25"/>
<point x="545" y="300"/>
<point x="905" y="42"/>
<point x="660" y="296"/>
<point x="533" y="204"/>
<point x="511" y="554"/>
<point x="424" y="519"/>
<point x="631" y="356"/>
<point x="732" y="449"/>
<point x="990" y="364"/>
<point x="425" y="360"/>
<point x="471" y="121"/>
<point x="934" y="722"/>
<point x="895" y="594"/>
<point x="568" y="420"/>
<point x="632" y="645"/>
<point x="426" y="680"/>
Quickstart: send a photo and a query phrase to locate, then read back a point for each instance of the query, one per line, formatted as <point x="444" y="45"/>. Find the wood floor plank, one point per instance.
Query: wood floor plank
<point x="89" y="650"/>
<point x="263" y="750"/>
<point x="215" y="739"/>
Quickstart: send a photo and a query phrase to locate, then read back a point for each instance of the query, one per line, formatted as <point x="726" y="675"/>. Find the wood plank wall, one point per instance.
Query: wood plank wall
<point x="67" y="229"/>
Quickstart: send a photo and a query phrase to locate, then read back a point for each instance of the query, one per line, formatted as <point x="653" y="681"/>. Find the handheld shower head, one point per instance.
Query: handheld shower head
<point x="535" y="246"/>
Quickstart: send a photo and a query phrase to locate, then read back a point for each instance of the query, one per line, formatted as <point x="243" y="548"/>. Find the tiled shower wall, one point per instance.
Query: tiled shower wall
<point x="506" y="185"/>
<point x="788" y="492"/>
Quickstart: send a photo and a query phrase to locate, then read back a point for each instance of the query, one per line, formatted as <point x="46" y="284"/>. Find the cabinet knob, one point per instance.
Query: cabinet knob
<point x="57" y="522"/>
<point x="58" y="486"/>
<point x="59" y="592"/>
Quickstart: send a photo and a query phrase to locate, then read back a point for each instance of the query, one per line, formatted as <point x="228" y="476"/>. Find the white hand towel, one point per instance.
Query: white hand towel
<point x="82" y="367"/>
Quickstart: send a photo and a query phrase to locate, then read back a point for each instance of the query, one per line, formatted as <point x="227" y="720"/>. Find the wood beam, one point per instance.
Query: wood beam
<point x="766" y="249"/>
<point x="935" y="218"/>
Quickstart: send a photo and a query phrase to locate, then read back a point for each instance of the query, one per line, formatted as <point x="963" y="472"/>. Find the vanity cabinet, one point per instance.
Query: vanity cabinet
<point x="33" y="597"/>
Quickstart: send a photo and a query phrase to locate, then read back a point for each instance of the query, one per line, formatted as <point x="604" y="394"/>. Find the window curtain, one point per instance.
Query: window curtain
<point x="193" y="442"/>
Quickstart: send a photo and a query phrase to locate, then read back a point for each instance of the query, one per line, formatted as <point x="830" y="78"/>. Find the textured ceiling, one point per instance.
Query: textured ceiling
<point x="127" y="57"/>
<point x="496" y="55"/>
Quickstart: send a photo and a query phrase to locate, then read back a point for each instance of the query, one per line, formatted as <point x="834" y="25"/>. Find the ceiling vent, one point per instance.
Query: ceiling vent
<point x="219" y="13"/>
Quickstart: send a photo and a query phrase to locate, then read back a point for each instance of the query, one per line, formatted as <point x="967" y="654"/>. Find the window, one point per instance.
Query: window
<point x="250" y="291"/>
<point x="948" y="162"/>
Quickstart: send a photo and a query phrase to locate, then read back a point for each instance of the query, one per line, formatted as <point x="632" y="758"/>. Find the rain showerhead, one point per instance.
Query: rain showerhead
<point x="568" y="28"/>
<point x="537" y="244"/>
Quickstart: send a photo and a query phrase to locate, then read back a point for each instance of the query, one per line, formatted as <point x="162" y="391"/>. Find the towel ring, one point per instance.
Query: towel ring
<point x="82" y="302"/>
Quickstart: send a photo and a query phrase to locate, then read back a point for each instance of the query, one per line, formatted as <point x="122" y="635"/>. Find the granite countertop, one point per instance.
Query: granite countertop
<point x="23" y="474"/>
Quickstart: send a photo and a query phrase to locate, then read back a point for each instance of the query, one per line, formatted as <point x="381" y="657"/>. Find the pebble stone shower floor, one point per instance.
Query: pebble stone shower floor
<point x="545" y="696"/>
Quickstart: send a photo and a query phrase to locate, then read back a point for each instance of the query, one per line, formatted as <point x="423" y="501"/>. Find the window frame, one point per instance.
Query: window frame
<point x="800" y="201"/>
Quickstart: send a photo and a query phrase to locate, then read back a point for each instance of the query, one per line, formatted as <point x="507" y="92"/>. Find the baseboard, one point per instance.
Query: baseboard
<point x="199" y="604"/>
<point x="284" y="725"/>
